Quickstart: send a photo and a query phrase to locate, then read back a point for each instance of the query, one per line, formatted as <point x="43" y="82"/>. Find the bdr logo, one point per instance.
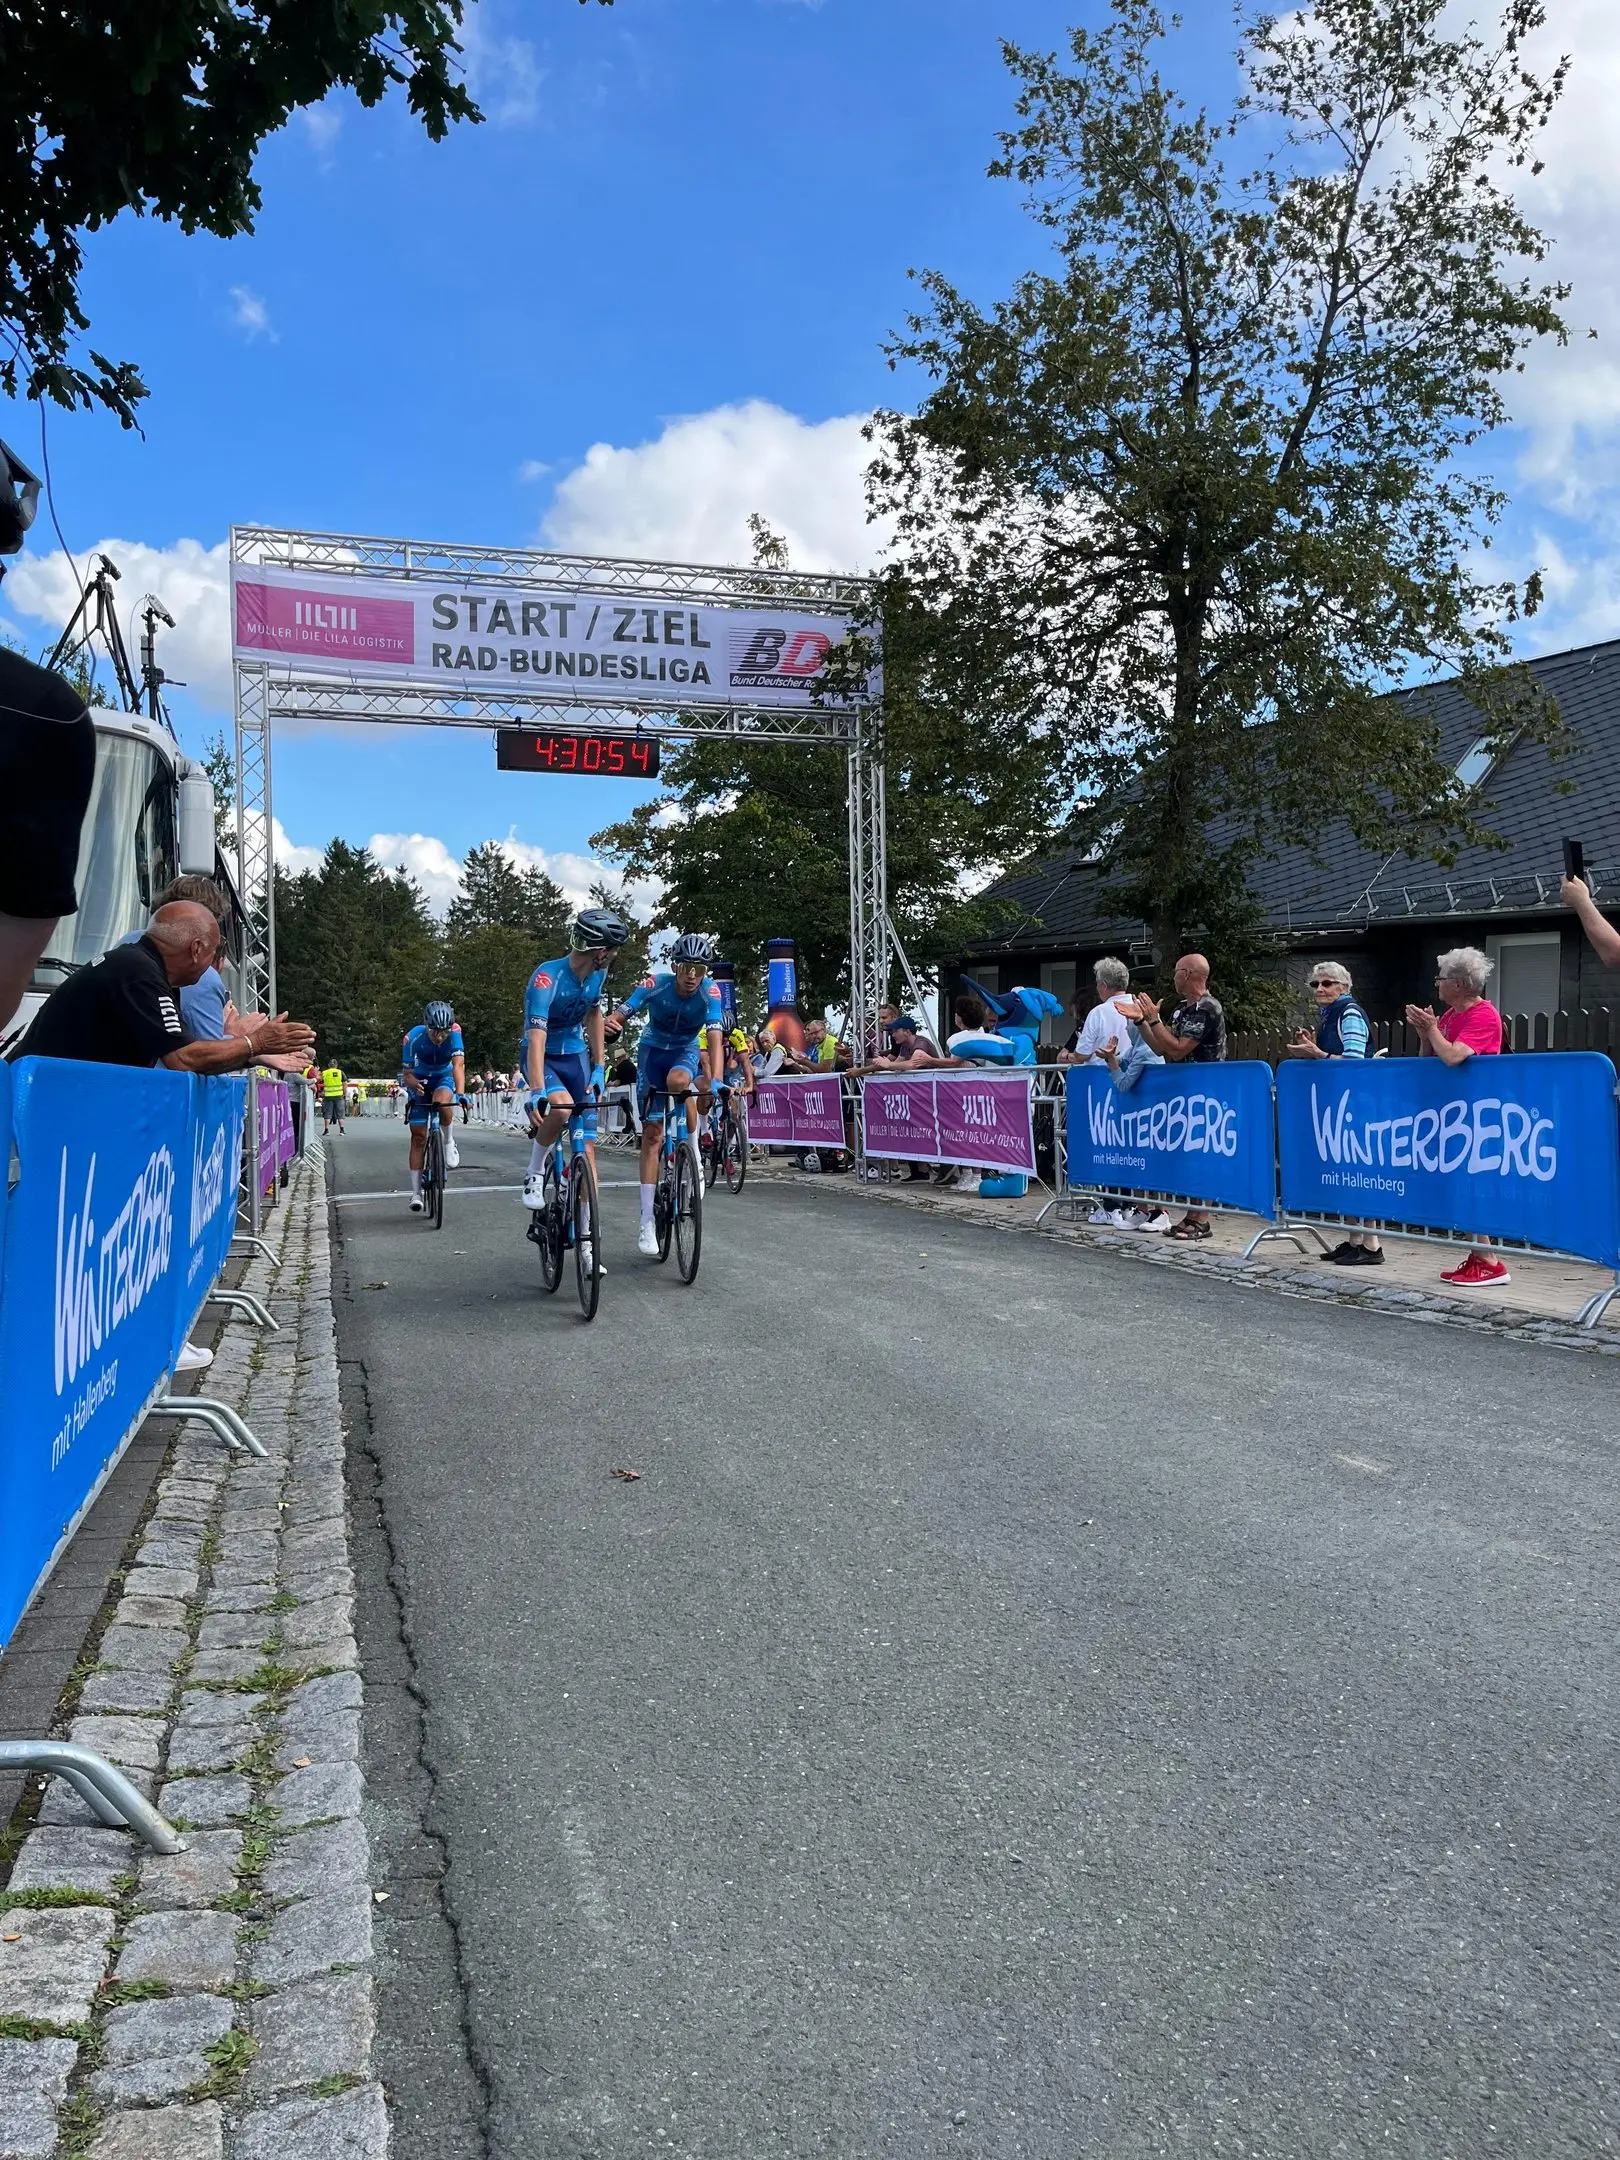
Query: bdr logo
<point x="771" y="654"/>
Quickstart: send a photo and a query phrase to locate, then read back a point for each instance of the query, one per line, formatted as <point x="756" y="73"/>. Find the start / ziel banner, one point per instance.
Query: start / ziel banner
<point x="510" y="638"/>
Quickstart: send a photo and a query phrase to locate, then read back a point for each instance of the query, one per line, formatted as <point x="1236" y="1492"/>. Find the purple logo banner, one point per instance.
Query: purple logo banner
<point x="818" y="1113"/>
<point x="275" y="1130"/>
<point x="801" y="1112"/>
<point x="985" y="1120"/>
<point x="900" y="1120"/>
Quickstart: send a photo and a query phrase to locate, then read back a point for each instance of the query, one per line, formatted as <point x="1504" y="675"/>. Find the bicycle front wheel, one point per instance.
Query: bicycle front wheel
<point x="549" y="1227"/>
<point x="688" y="1214"/>
<point x="587" y="1237"/>
<point x="433" y="1179"/>
<point x="734" y="1146"/>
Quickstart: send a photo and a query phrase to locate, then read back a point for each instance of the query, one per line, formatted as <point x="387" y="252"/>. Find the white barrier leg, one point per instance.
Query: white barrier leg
<point x="104" y="1788"/>
<point x="268" y="1252"/>
<point x="245" y="1301"/>
<point x="219" y="1417"/>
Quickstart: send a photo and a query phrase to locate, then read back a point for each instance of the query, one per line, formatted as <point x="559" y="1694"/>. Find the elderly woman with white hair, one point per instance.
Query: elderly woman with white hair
<point x="1469" y="1027"/>
<point x="1342" y="1031"/>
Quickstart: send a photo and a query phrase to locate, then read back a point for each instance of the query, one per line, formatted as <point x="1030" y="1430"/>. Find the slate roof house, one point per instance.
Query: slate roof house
<point x="1386" y="917"/>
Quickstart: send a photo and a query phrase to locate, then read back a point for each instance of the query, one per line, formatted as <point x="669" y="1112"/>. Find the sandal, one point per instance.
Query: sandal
<point x="1189" y="1233"/>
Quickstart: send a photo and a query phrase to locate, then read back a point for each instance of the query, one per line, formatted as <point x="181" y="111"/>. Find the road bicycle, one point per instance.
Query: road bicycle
<point x="434" y="1172"/>
<point x="723" y="1143"/>
<point x="678" y="1194"/>
<point x="568" y="1214"/>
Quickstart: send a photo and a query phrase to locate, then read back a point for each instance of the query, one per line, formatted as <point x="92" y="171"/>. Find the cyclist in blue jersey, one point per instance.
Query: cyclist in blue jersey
<point x="433" y="1071"/>
<point x="680" y="1046"/>
<point x="563" y="1057"/>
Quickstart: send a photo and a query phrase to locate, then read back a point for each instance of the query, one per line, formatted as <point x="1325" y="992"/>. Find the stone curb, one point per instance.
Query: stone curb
<point x="1286" y="1278"/>
<point x="220" y="2004"/>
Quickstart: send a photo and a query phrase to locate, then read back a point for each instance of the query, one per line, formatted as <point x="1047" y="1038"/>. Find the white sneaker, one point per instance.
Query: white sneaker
<point x="534" y="1190"/>
<point x="193" y="1358"/>
<point x="1102" y="1217"/>
<point x="1158" y="1220"/>
<point x="647" y="1239"/>
<point x="452" y="1158"/>
<point x="416" y="1203"/>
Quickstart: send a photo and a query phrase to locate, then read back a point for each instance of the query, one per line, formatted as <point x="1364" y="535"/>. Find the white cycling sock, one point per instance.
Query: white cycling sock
<point x="416" y="1181"/>
<point x="647" y="1192"/>
<point x="537" y="1159"/>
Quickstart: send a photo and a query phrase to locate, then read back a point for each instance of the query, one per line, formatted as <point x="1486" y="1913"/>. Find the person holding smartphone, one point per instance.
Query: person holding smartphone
<point x="1575" y="893"/>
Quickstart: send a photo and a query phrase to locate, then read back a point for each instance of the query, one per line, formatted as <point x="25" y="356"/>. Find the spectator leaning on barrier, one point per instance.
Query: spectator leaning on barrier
<point x="1196" y="1034"/>
<point x="1106" y="1022"/>
<point x="1342" y="1031"/>
<point x="1469" y="1027"/>
<point x="123" y="1010"/>
<point x="1601" y="934"/>
<point x="908" y="1048"/>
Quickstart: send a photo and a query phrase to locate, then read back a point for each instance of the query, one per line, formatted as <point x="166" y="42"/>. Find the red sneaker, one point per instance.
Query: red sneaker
<point x="1476" y="1271"/>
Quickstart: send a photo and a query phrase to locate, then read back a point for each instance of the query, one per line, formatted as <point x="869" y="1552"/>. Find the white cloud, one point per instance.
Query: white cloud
<point x="686" y="496"/>
<point x="289" y="855"/>
<point x="504" y="73"/>
<point x="249" y="313"/>
<point x="532" y="469"/>
<point x="322" y="124"/>
<point x="426" y="858"/>
<point x="192" y="581"/>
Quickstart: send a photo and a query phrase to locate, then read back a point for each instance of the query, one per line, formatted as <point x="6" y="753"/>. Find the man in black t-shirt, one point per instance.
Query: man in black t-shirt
<point x="125" y="1008"/>
<point x="1196" y="1034"/>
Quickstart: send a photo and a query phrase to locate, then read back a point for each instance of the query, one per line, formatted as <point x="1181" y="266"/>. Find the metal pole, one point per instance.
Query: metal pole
<point x="254" y="867"/>
<point x="255" y="1197"/>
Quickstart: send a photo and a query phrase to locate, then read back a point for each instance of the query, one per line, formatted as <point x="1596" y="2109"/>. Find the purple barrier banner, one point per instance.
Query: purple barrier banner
<point x="818" y="1112"/>
<point x="798" y="1112"/>
<point x="985" y="1120"/>
<point x="900" y="1120"/>
<point x="275" y="1130"/>
<point x="770" y="1115"/>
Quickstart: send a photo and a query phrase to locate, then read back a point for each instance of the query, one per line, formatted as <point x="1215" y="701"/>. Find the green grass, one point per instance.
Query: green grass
<point x="43" y="1900"/>
<point x="25" y="2028"/>
<point x="114" y="1993"/>
<point x="328" y="2088"/>
<point x="230" y="2055"/>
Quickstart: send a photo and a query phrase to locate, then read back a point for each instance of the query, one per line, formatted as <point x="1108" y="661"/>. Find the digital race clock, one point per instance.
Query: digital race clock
<point x="565" y="750"/>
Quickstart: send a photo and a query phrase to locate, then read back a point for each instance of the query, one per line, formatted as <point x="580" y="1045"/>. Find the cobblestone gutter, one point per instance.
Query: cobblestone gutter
<point x="217" y="2005"/>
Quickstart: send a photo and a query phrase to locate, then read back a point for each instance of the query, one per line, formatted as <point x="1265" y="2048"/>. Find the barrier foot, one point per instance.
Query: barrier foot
<point x="1290" y="1231"/>
<point x="1596" y="1306"/>
<point x="244" y="1301"/>
<point x="219" y="1417"/>
<point x="245" y="1237"/>
<point x="111" y="1798"/>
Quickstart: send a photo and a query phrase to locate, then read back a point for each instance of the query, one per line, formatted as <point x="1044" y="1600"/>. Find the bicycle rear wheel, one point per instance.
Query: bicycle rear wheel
<point x="663" y="1207"/>
<point x="709" y="1153"/>
<point x="688" y="1214"/>
<point x="734" y="1145"/>
<point x="433" y="1176"/>
<point x="549" y="1226"/>
<point x="587" y="1237"/>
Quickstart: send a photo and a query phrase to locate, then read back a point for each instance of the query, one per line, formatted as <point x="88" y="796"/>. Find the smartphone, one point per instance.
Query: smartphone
<point x="1575" y="860"/>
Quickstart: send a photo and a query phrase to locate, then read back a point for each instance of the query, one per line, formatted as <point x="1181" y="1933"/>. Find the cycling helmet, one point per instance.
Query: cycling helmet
<point x="694" y="950"/>
<point x="439" y="1016"/>
<point x="594" y="926"/>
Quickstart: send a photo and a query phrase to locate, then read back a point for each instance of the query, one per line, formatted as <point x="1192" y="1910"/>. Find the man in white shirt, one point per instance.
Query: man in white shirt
<point x="1105" y="1023"/>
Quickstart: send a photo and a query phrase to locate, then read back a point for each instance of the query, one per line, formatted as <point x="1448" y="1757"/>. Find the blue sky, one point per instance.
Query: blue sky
<point x="648" y="296"/>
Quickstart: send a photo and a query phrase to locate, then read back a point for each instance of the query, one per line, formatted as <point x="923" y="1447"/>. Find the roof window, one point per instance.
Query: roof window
<point x="1475" y="763"/>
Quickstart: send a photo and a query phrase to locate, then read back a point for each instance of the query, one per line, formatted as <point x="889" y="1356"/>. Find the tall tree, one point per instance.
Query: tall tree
<point x="495" y="894"/>
<point x="500" y="925"/>
<point x="159" y="106"/>
<point x="750" y="840"/>
<point x="356" y="954"/>
<point x="1183" y="505"/>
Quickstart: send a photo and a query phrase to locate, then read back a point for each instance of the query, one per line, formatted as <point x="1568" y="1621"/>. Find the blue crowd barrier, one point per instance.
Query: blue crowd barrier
<point x="1525" y="1148"/>
<point x="114" y="1233"/>
<point x="1201" y="1133"/>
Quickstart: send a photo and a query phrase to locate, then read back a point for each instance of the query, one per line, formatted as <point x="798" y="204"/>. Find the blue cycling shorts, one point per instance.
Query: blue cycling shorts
<point x="568" y="1072"/>
<point x="656" y="1061"/>
<point x="418" y="1108"/>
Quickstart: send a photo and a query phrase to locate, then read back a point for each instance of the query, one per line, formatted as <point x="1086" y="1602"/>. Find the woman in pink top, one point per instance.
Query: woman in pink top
<point x="1470" y="1026"/>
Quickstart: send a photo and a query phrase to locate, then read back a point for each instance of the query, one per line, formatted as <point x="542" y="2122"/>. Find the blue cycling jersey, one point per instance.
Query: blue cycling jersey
<point x="558" y="1001"/>
<point x="673" y="1020"/>
<point x="421" y="1055"/>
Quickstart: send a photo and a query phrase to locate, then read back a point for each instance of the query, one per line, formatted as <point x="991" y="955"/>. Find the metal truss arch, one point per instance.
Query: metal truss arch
<point x="304" y="691"/>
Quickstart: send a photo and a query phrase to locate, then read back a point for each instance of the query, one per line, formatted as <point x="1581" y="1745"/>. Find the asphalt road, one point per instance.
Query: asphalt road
<point x="1029" y="1704"/>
